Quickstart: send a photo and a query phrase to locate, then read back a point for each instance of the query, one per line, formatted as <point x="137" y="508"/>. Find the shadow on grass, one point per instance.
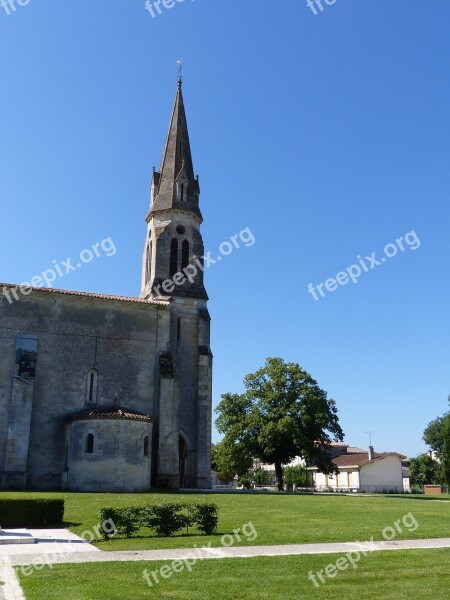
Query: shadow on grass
<point x="443" y="498"/>
<point x="165" y="537"/>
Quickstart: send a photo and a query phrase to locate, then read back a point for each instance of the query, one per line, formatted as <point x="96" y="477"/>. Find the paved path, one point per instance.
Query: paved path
<point x="234" y="552"/>
<point x="54" y="555"/>
<point x="50" y="543"/>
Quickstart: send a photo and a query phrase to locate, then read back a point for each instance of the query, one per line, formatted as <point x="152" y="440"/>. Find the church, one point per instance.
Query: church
<point x="110" y="393"/>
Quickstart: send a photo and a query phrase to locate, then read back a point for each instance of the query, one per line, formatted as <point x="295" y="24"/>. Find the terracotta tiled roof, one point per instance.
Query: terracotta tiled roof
<point x="358" y="460"/>
<point x="111" y="413"/>
<point x="162" y="302"/>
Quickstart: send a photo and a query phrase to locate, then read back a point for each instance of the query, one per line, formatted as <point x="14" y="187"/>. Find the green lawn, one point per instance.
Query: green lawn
<point x="278" y="519"/>
<point x="395" y="575"/>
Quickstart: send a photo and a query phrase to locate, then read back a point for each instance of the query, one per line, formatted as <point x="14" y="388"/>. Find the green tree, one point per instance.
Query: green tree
<point x="229" y="460"/>
<point x="433" y="435"/>
<point x="282" y="414"/>
<point x="297" y="475"/>
<point x="445" y="456"/>
<point x="262" y="477"/>
<point x="423" y="470"/>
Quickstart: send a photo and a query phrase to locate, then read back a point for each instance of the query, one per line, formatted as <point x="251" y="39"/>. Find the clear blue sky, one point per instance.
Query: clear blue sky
<point x="327" y="135"/>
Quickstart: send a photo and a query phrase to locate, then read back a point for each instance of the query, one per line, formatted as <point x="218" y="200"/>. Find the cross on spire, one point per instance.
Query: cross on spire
<point x="180" y="71"/>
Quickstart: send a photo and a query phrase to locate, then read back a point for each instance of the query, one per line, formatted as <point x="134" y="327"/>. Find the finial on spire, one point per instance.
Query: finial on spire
<point x="180" y="71"/>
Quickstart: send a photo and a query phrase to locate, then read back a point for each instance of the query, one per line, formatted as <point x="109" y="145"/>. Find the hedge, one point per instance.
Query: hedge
<point x="163" y="519"/>
<point x="31" y="513"/>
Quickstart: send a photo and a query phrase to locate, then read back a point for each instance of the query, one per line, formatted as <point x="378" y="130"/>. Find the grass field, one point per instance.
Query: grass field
<point x="278" y="519"/>
<point x="395" y="575"/>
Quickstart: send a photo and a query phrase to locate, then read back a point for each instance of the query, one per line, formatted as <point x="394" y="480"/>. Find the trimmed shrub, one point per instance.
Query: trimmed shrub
<point x="166" y="519"/>
<point x="31" y="513"/>
<point x="206" y="516"/>
<point x="126" y="520"/>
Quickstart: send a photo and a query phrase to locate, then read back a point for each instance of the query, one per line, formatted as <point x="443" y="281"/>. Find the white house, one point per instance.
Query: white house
<point x="362" y="472"/>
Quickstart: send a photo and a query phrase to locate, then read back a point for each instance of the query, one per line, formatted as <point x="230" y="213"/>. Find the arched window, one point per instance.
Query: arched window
<point x="173" y="257"/>
<point x="149" y="261"/>
<point x="89" y="447"/>
<point x="91" y="386"/>
<point x="185" y="254"/>
<point x="146" y="445"/>
<point x="182" y="192"/>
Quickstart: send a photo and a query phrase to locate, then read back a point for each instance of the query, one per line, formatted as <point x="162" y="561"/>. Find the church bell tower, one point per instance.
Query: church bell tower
<point x="172" y="264"/>
<point x="173" y="268"/>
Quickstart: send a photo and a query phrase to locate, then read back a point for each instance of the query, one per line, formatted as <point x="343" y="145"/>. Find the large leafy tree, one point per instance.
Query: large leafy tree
<point x="445" y="456"/>
<point x="433" y="435"/>
<point x="282" y="414"/>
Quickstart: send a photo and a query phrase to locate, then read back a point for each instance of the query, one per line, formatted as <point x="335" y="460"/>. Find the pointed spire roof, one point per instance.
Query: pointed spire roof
<point x="176" y="166"/>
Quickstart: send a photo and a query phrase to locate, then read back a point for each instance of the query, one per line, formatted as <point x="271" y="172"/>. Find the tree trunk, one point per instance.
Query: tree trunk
<point x="279" y="476"/>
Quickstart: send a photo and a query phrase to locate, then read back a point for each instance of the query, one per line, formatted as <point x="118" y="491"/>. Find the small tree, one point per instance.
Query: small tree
<point x="229" y="460"/>
<point x="297" y="475"/>
<point x="262" y="477"/>
<point x="423" y="470"/>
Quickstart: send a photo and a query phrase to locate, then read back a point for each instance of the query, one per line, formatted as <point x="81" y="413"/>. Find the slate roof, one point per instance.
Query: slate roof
<point x="109" y="413"/>
<point x="176" y="158"/>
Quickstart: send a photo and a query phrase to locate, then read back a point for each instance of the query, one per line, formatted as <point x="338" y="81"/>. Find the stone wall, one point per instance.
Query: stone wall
<point x="121" y="339"/>
<point x="117" y="462"/>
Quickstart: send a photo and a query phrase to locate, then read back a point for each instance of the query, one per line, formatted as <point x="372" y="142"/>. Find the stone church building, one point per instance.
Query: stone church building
<point x="110" y="393"/>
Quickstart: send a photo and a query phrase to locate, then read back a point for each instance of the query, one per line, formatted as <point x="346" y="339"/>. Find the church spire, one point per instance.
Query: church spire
<point x="174" y="244"/>
<point x="174" y="186"/>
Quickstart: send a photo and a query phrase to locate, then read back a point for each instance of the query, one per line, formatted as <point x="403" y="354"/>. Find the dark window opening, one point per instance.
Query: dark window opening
<point x="173" y="257"/>
<point x="91" y="386"/>
<point x="146" y="445"/>
<point x="89" y="449"/>
<point x="149" y="261"/>
<point x="182" y="192"/>
<point x="185" y="254"/>
<point x="26" y="351"/>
